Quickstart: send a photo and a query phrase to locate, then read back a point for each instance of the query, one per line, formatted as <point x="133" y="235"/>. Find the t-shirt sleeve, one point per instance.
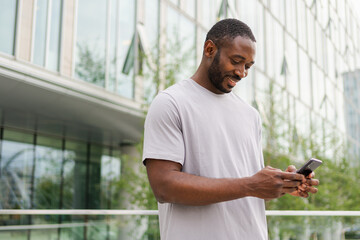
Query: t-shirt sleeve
<point x="163" y="137"/>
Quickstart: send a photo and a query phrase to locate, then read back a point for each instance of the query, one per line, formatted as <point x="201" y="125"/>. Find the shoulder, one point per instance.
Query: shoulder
<point x="173" y="95"/>
<point x="251" y="110"/>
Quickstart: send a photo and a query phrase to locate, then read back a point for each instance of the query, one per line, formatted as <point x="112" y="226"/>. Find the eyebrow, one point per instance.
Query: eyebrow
<point x="239" y="56"/>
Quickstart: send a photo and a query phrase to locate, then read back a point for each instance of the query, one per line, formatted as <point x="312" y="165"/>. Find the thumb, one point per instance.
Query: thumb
<point x="291" y="168"/>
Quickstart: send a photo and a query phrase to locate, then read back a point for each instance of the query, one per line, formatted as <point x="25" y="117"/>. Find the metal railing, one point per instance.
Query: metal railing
<point x="106" y="212"/>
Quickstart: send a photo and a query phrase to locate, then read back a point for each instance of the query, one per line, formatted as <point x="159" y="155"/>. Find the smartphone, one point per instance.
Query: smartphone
<point x="309" y="166"/>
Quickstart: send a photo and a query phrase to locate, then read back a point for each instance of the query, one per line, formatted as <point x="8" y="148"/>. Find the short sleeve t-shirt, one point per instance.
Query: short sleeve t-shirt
<point x="210" y="135"/>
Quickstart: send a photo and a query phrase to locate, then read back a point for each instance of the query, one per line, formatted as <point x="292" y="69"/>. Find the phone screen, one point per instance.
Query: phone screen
<point x="309" y="166"/>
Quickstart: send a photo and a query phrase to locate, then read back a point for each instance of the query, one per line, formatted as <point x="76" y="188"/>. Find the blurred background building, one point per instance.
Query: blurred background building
<point x="75" y="75"/>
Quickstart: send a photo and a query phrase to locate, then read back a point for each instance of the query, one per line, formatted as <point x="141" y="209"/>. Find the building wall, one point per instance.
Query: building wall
<point x="303" y="49"/>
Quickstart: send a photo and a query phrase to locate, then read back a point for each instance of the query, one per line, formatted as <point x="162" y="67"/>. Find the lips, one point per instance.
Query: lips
<point x="232" y="81"/>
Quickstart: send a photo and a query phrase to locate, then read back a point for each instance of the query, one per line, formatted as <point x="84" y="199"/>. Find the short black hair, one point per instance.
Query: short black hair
<point x="228" y="29"/>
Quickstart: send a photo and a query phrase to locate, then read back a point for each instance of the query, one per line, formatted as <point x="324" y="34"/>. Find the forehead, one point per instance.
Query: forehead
<point x="240" y="46"/>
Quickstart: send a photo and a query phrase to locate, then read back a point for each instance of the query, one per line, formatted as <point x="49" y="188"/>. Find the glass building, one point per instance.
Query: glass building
<point x="75" y="75"/>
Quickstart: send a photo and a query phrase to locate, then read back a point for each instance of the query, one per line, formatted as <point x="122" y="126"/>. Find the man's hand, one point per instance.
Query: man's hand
<point x="270" y="183"/>
<point x="306" y="186"/>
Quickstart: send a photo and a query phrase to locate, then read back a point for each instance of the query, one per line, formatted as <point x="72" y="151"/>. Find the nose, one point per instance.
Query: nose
<point x="240" y="73"/>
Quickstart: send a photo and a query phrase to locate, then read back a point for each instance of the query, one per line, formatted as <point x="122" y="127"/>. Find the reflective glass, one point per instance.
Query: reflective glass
<point x="274" y="50"/>
<point x="110" y="175"/>
<point x="40" y="32"/>
<point x="47" y="173"/>
<point x="291" y="54"/>
<point x="291" y="17"/>
<point x="180" y="35"/>
<point x="330" y="60"/>
<point x="54" y="38"/>
<point x="112" y="47"/>
<point x="302" y="121"/>
<point x="209" y="12"/>
<point x="126" y="48"/>
<point x="311" y="34"/>
<point x="277" y="8"/>
<point x="258" y="31"/>
<point x="189" y="7"/>
<point x="322" y="12"/>
<point x="301" y="22"/>
<point x="305" y="78"/>
<point x="330" y="101"/>
<point x="188" y="50"/>
<point x="74" y="175"/>
<point x="90" y="41"/>
<point x="151" y="42"/>
<point x="98" y="157"/>
<point x="7" y="25"/>
<point x="17" y="163"/>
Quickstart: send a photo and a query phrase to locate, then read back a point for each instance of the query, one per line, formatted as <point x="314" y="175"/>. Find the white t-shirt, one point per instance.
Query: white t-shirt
<point x="210" y="135"/>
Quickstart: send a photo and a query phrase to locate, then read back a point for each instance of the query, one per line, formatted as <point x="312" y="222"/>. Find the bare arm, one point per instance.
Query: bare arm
<point x="171" y="185"/>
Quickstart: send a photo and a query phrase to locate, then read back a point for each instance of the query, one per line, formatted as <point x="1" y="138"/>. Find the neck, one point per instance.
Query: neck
<point x="202" y="78"/>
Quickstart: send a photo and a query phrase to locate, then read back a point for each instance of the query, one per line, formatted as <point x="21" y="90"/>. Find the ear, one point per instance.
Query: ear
<point x="210" y="49"/>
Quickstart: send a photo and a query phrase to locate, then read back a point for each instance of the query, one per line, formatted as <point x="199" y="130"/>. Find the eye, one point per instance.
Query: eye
<point x="234" y="62"/>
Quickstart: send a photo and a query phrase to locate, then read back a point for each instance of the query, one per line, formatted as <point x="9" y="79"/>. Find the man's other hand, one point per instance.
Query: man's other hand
<point x="306" y="186"/>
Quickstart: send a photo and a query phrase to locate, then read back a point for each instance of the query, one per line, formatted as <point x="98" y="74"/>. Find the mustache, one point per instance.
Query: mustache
<point x="233" y="77"/>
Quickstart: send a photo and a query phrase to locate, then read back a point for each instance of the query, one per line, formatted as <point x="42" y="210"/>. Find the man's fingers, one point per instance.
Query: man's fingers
<point x="292" y="176"/>
<point x="311" y="175"/>
<point x="291" y="184"/>
<point x="271" y="168"/>
<point x="291" y="168"/>
<point x="312" y="182"/>
<point x="289" y="189"/>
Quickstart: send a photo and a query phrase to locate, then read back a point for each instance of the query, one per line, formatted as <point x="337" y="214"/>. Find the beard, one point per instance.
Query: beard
<point x="216" y="77"/>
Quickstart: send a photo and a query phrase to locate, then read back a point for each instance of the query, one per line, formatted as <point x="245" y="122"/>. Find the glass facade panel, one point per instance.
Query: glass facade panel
<point x="126" y="48"/>
<point x="301" y="23"/>
<point x="311" y="35"/>
<point x="151" y="41"/>
<point x="17" y="166"/>
<point x="305" y="78"/>
<point x="291" y="17"/>
<point x="90" y="42"/>
<point x="47" y="33"/>
<point x="40" y="32"/>
<point x="180" y="35"/>
<point x="47" y="175"/>
<point x="41" y="172"/>
<point x="189" y="7"/>
<point x="277" y="8"/>
<point x="7" y="25"/>
<point x="54" y="36"/>
<point x="209" y="12"/>
<point x="291" y="54"/>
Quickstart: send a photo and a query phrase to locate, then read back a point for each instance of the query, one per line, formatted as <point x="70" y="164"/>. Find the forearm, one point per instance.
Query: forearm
<point x="171" y="185"/>
<point x="183" y="188"/>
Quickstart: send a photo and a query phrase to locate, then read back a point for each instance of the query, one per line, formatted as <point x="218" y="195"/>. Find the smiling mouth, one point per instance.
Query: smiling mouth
<point x="233" y="81"/>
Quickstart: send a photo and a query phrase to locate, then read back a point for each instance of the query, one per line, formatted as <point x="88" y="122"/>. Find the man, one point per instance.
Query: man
<point x="202" y="149"/>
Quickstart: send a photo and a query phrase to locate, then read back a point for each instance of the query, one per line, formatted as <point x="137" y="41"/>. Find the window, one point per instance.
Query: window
<point x="291" y="17"/>
<point x="8" y="10"/>
<point x="17" y="163"/>
<point x="301" y="21"/>
<point x="208" y="13"/>
<point x="180" y="30"/>
<point x="305" y="78"/>
<point x="277" y="8"/>
<point x="105" y="51"/>
<point x="291" y="54"/>
<point x="47" y="176"/>
<point x="274" y="49"/>
<point x="47" y="34"/>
